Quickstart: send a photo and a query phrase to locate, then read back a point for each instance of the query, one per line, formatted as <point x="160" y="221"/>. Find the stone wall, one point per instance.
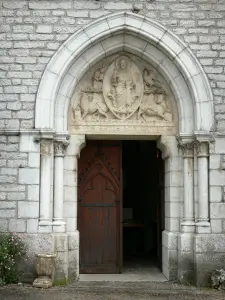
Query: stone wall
<point x="30" y="33"/>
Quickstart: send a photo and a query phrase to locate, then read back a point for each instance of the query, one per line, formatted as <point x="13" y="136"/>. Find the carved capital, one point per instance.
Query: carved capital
<point x="59" y="148"/>
<point x="186" y="147"/>
<point x="202" y="148"/>
<point x="45" y="147"/>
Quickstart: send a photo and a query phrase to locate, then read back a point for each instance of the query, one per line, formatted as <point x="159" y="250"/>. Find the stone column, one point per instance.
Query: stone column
<point x="186" y="237"/>
<point x="45" y="182"/>
<point x="203" y="225"/>
<point x="77" y="142"/>
<point x="188" y="223"/>
<point x="59" y="152"/>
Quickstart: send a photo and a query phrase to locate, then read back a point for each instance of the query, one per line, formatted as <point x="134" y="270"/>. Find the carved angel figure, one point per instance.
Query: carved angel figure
<point x="97" y="79"/>
<point x="151" y="84"/>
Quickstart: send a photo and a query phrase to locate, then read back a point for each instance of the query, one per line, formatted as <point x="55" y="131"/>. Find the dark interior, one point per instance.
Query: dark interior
<point x="142" y="202"/>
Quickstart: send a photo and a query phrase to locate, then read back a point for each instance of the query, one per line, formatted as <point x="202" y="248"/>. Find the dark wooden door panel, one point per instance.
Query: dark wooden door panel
<point x="99" y="207"/>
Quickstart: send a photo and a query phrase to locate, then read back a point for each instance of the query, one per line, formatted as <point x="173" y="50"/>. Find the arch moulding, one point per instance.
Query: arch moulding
<point x="137" y="35"/>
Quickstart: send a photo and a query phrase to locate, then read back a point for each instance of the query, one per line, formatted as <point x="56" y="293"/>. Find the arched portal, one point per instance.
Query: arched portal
<point x="138" y="35"/>
<point x="129" y="35"/>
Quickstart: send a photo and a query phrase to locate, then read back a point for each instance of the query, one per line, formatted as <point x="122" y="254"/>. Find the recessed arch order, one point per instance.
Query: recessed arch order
<point x="135" y="34"/>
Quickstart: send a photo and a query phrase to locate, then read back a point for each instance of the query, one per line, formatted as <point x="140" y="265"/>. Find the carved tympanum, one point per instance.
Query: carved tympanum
<point x="123" y="87"/>
<point x="122" y="90"/>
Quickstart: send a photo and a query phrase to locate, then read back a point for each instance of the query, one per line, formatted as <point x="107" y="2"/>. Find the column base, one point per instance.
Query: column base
<point x="44" y="222"/>
<point x="44" y="226"/>
<point x="59" y="226"/>
<point x="188" y="226"/>
<point x="203" y="227"/>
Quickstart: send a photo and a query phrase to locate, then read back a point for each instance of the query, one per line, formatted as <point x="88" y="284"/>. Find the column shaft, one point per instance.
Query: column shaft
<point x="58" y="189"/>
<point x="203" y="189"/>
<point x="203" y="225"/>
<point x="188" y="189"/>
<point x="188" y="224"/>
<point x="45" y="182"/>
<point x="59" y="147"/>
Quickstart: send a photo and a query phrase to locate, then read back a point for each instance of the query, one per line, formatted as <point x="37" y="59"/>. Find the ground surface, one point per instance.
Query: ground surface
<point x="112" y="290"/>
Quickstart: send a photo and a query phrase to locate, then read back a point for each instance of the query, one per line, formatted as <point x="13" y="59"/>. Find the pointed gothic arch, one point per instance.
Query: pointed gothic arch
<point x="135" y="34"/>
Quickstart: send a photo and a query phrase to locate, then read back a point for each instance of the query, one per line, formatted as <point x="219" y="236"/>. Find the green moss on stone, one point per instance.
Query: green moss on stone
<point x="59" y="282"/>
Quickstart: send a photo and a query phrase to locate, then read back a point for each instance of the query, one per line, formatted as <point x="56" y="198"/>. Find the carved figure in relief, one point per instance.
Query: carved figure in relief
<point x="154" y="106"/>
<point x="91" y="103"/>
<point x="91" y="99"/>
<point x="122" y="88"/>
<point x="154" y="100"/>
<point x="150" y="80"/>
<point x="151" y="84"/>
<point x="122" y="93"/>
<point x="98" y="79"/>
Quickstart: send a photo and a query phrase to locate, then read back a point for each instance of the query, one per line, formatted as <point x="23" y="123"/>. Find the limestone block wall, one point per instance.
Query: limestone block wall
<point x="31" y="32"/>
<point x="19" y="207"/>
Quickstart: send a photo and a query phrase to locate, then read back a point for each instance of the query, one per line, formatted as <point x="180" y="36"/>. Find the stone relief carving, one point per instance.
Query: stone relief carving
<point x="59" y="148"/>
<point x="91" y="99"/>
<point x="123" y="87"/>
<point x="122" y="90"/>
<point x="154" y="102"/>
<point x="187" y="147"/>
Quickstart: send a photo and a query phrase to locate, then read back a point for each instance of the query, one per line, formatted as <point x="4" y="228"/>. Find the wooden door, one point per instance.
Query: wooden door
<point x="99" y="209"/>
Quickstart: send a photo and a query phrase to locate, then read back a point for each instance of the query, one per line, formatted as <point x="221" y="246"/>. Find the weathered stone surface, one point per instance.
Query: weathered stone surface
<point x="31" y="32"/>
<point x="29" y="176"/>
<point x="28" y="209"/>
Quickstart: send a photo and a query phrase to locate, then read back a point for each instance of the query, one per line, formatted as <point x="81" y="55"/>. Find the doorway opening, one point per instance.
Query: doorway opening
<point x="143" y="205"/>
<point x="120" y="207"/>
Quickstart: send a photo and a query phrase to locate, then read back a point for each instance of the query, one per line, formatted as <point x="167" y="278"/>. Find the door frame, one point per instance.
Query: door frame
<point x="120" y="215"/>
<point x="173" y="169"/>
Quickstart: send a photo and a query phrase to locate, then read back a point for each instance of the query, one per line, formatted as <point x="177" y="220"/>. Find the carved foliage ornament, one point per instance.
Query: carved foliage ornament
<point x="186" y="147"/>
<point x="122" y="88"/>
<point x="202" y="148"/>
<point x="46" y="147"/>
<point x="59" y="148"/>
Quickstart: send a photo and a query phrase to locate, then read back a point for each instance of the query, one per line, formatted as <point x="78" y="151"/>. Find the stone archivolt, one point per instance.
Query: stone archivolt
<point x="122" y="90"/>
